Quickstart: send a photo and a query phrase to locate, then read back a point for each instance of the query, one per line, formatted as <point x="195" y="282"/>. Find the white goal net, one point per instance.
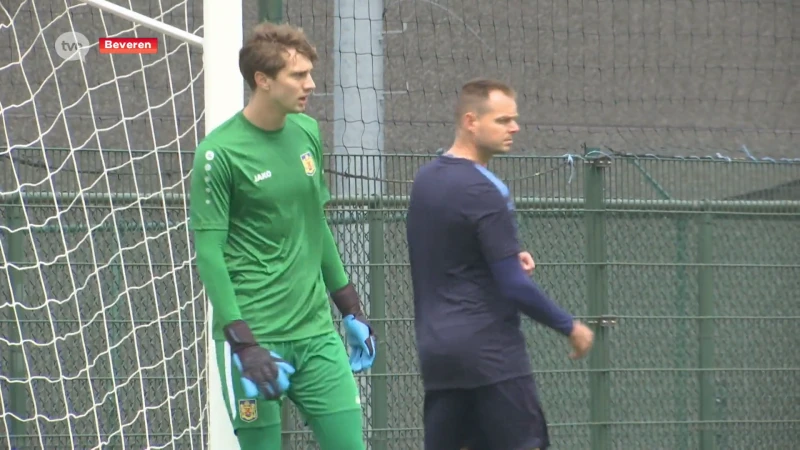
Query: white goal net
<point x="102" y="318"/>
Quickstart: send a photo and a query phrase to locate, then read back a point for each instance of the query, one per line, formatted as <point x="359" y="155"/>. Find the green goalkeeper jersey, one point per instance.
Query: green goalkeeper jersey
<point x="267" y="190"/>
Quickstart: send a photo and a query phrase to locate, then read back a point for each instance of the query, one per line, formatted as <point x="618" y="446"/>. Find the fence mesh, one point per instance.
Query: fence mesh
<point x="666" y="78"/>
<point x="656" y="246"/>
<point x="694" y="260"/>
<point x="682" y="251"/>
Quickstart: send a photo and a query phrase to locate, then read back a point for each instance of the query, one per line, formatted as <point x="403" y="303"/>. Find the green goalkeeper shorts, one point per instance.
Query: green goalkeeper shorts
<point x="322" y="383"/>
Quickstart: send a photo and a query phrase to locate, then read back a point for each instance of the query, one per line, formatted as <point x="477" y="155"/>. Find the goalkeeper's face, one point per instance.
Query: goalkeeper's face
<point x="496" y="124"/>
<point x="292" y="87"/>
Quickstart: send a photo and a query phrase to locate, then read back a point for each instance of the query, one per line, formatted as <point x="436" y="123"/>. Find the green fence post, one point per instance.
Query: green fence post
<point x="270" y="10"/>
<point x="682" y="305"/>
<point x="597" y="298"/>
<point x="115" y="331"/>
<point x="705" y="300"/>
<point x="377" y="312"/>
<point x="15" y="252"/>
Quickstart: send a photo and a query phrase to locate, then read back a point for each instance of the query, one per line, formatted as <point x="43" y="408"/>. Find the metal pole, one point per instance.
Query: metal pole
<point x="223" y="93"/>
<point x="358" y="61"/>
<point x="765" y="208"/>
<point x="16" y="257"/>
<point x="377" y="283"/>
<point x="705" y="297"/>
<point x="597" y="299"/>
<point x="270" y="10"/>
<point x="358" y="95"/>
<point x="682" y="304"/>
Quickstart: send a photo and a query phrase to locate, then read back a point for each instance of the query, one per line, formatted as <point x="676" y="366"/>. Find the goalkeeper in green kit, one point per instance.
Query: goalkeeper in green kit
<point x="268" y="260"/>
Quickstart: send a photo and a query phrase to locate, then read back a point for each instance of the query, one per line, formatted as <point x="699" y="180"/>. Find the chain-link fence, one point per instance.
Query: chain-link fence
<point x="689" y="277"/>
<point x="688" y="265"/>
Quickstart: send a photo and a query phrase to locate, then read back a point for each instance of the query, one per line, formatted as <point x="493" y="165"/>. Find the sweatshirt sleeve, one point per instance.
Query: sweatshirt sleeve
<point x="515" y="285"/>
<point x="333" y="272"/>
<point x="211" y="267"/>
<point x="209" y="207"/>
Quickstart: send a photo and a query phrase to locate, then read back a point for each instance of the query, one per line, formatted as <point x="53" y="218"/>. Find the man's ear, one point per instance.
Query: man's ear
<point x="469" y="121"/>
<point x="262" y="81"/>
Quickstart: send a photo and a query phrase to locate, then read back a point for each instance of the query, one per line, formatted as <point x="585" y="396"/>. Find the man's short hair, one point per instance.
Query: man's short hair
<point x="266" y="48"/>
<point x="475" y="93"/>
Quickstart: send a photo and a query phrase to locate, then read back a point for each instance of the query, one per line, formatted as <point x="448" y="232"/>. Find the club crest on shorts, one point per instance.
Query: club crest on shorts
<point x="248" y="411"/>
<point x="308" y="163"/>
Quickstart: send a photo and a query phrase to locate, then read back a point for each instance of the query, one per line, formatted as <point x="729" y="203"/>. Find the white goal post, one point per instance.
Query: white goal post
<point x="63" y="226"/>
<point x="224" y="95"/>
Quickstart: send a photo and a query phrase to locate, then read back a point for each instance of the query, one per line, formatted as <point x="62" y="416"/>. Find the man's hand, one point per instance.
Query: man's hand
<point x="263" y="372"/>
<point x="361" y="341"/>
<point x="267" y="390"/>
<point x="581" y="340"/>
<point x="359" y="334"/>
<point x="526" y="260"/>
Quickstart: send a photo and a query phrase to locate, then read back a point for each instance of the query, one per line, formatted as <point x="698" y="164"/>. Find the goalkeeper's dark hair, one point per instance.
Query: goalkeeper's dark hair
<point x="266" y="48"/>
<point x="475" y="93"/>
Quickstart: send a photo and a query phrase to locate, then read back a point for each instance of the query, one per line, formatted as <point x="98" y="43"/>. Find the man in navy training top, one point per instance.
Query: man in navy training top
<point x="470" y="283"/>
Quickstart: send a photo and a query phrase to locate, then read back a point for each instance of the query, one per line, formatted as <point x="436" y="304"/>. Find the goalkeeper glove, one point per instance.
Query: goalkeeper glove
<point x="285" y="370"/>
<point x="263" y="372"/>
<point x="361" y="341"/>
<point x="359" y="334"/>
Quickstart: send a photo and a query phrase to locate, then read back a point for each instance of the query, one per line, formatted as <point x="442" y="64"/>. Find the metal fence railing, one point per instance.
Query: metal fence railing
<point x="687" y="269"/>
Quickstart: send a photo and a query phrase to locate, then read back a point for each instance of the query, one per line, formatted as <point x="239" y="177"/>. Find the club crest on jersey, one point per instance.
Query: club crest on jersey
<point x="308" y="163"/>
<point x="248" y="410"/>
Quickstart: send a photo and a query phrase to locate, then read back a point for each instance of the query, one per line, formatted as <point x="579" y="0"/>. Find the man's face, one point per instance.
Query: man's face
<point x="291" y="88"/>
<point x="494" y="126"/>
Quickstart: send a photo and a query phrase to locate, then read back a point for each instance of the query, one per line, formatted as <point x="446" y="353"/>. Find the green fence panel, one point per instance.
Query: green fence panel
<point x="688" y="270"/>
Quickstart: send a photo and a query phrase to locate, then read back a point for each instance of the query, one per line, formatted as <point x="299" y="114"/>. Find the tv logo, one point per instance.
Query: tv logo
<point x="72" y="46"/>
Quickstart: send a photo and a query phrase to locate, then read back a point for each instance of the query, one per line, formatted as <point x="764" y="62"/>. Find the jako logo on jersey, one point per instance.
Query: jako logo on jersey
<point x="262" y="176"/>
<point x="308" y="163"/>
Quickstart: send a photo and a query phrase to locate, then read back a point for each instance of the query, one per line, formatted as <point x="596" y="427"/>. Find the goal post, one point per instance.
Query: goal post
<point x="105" y="340"/>
<point x="224" y="95"/>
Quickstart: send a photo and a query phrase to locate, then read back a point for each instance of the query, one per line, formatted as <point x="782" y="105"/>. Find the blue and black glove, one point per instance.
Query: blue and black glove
<point x="263" y="372"/>
<point x="285" y="370"/>
<point x="361" y="340"/>
<point x="359" y="334"/>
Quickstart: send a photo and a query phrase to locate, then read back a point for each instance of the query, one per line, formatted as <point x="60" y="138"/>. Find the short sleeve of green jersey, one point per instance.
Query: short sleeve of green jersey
<point x="210" y="191"/>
